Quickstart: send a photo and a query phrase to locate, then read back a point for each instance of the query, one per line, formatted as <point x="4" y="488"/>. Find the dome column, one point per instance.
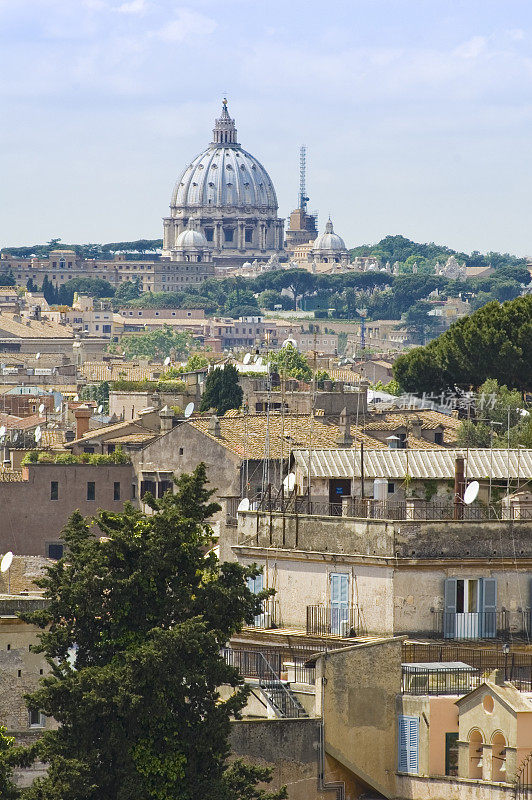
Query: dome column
<point x="240" y="242"/>
<point x="219" y="236"/>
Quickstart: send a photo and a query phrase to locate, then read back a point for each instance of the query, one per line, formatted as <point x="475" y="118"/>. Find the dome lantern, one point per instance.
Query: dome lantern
<point x="224" y="131"/>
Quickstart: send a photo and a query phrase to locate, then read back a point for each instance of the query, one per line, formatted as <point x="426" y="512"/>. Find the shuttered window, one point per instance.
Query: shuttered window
<point x="408" y="744"/>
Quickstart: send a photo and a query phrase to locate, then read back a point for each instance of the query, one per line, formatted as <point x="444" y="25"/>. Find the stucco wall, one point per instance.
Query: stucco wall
<point x="29" y="517"/>
<point x="421" y="788"/>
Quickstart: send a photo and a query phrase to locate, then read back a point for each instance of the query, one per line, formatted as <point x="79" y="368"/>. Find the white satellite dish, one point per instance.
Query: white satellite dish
<point x="290" y="481"/>
<point x="57" y="409"/>
<point x="6" y="562"/>
<point x="37" y="355"/>
<point x="259" y="361"/>
<point x="2" y="430"/>
<point x="15" y="437"/>
<point x="41" y="408"/>
<point x="247" y="358"/>
<point x="100" y="408"/>
<point x="471" y="492"/>
<point x="38" y="433"/>
<point x="189" y="410"/>
<point x="290" y="341"/>
<point x="243" y="505"/>
<point x="166" y="361"/>
<point x="76" y="398"/>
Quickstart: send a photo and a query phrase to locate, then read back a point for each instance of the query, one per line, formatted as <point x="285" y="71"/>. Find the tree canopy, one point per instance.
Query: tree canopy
<point x="222" y="390"/>
<point x="289" y="362"/>
<point x="133" y="631"/>
<point x="493" y="342"/>
<point x="157" y="344"/>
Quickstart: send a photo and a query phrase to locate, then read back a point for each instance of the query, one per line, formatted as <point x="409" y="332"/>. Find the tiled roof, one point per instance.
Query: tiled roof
<point x="107" y="371"/>
<point x="97" y="433"/>
<point x="345" y="375"/>
<point x="246" y="435"/>
<point x="430" y="420"/>
<point x="12" y="422"/>
<point x="133" y="438"/>
<point x="31" y="329"/>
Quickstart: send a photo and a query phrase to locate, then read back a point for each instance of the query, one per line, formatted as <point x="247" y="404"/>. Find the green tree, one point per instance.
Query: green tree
<point x="128" y="290"/>
<point x="300" y="282"/>
<point x="222" y="390"/>
<point x="146" y="611"/>
<point x="288" y="361"/>
<point x="8" y="790"/>
<point x="157" y="344"/>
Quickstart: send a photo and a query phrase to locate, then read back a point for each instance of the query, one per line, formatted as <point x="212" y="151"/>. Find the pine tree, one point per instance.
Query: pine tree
<point x="8" y="790"/>
<point x="146" y="611"/>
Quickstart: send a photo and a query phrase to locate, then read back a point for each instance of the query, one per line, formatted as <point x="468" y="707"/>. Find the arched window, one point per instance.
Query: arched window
<point x="476" y="748"/>
<point x="498" y="757"/>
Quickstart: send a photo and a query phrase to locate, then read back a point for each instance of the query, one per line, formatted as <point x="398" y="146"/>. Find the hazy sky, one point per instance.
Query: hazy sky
<point x="417" y="114"/>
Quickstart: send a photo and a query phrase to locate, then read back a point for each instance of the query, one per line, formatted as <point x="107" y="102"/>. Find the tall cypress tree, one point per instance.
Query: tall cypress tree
<point x="146" y="611"/>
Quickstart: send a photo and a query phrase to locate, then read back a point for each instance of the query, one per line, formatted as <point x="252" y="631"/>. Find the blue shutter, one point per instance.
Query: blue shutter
<point x="449" y="608"/>
<point x="408" y="744"/>
<point x="488" y="607"/>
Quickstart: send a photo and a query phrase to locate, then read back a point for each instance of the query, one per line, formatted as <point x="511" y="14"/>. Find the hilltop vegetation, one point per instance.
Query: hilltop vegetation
<point x="493" y="342"/>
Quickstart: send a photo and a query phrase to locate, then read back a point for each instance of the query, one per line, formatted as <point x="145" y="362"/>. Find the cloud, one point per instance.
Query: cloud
<point x="132" y="7"/>
<point x="186" y="24"/>
<point x="473" y="48"/>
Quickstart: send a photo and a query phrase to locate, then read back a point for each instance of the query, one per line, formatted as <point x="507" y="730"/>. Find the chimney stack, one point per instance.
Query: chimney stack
<point x="82" y="415"/>
<point x="214" y="426"/>
<point x="166" y="415"/>
<point x="344" y="437"/>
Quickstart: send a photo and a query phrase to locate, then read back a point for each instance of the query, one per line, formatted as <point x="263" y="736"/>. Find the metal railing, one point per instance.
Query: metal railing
<point x="501" y="624"/>
<point x="269" y="617"/>
<point x="254" y="663"/>
<point x="418" y="681"/>
<point x="333" y="620"/>
<point x="516" y="666"/>
<point x="303" y="674"/>
<point x="414" y="509"/>
<point x="523" y="780"/>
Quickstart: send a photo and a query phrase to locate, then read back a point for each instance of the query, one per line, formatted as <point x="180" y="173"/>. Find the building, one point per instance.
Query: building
<point x="226" y="196"/>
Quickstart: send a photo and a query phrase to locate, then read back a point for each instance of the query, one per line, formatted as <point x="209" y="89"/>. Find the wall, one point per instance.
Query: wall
<point x="289" y="746"/>
<point x="443" y="719"/>
<point x="411" y="787"/>
<point x="30" y="519"/>
<point x="359" y="691"/>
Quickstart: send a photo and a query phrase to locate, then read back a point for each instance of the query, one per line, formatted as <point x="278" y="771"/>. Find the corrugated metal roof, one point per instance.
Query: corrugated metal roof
<point x="422" y="464"/>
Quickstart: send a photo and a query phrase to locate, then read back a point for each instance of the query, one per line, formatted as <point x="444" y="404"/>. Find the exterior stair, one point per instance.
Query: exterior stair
<point x="282" y="699"/>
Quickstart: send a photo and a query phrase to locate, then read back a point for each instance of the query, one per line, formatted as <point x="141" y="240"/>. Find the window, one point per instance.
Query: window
<point x="54" y="550"/>
<point x="408" y="744"/>
<point x="91" y="490"/>
<point x="106" y="328"/>
<point x="249" y="235"/>
<point x="88" y="449"/>
<point x="339" y="585"/>
<point x="36" y="719"/>
<point x="451" y="754"/>
<point x="209" y="234"/>
<point x="133" y="491"/>
<point x="116" y="490"/>
<point x="181" y="451"/>
<point x="438" y="437"/>
<point x="148" y="486"/>
<point x="228" y="234"/>
<point x="391" y="487"/>
<point x="470" y="608"/>
<point x="54" y="490"/>
<point x="164" y="486"/>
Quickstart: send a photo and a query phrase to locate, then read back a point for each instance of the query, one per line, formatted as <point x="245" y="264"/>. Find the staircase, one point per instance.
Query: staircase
<point x="282" y="699"/>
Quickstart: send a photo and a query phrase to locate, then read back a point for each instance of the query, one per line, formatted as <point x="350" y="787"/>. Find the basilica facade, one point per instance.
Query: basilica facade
<point x="226" y="195"/>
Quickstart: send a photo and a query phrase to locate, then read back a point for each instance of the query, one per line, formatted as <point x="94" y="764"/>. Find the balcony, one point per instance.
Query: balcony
<point x="342" y="621"/>
<point x="471" y="626"/>
<point x="269" y="617"/>
<point x="439" y="678"/>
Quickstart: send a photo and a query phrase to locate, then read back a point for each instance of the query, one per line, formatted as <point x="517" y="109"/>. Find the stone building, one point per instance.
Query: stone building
<point x="225" y="194"/>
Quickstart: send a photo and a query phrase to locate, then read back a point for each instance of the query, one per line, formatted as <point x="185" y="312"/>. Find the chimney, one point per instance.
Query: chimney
<point x="416" y="427"/>
<point x="166" y="416"/>
<point x="344" y="437"/>
<point x="214" y="426"/>
<point x="459" y="487"/>
<point x="82" y="415"/>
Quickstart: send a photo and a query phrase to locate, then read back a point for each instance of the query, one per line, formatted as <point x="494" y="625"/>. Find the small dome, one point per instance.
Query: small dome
<point x="190" y="238"/>
<point x="329" y="240"/>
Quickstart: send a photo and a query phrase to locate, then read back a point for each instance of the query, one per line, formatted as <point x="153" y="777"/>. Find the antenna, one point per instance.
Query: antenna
<point x="100" y="409"/>
<point x="38" y="433"/>
<point x="189" y="410"/>
<point x="41" y="408"/>
<point x="243" y="505"/>
<point x="303" y="199"/>
<point x="166" y="361"/>
<point x="247" y="358"/>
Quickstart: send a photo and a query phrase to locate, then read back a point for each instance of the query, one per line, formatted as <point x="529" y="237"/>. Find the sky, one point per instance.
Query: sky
<point x="417" y="114"/>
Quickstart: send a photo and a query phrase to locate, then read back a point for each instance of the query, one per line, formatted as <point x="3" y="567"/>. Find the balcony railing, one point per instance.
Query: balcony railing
<point x="453" y="680"/>
<point x="260" y="664"/>
<point x="334" y="621"/>
<point x="469" y="626"/>
<point x="269" y="618"/>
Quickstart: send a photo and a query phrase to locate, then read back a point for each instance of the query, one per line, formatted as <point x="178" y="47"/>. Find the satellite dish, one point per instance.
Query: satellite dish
<point x="6" y="562"/>
<point x="471" y="492"/>
<point x="57" y="409"/>
<point x="2" y="430"/>
<point x="76" y="398"/>
<point x="15" y="437"/>
<point x="37" y="356"/>
<point x="290" y="481"/>
<point x="189" y="410"/>
<point x="291" y="342"/>
<point x="100" y="409"/>
<point x="38" y="433"/>
<point x="247" y="358"/>
<point x="259" y="361"/>
<point x="166" y="361"/>
<point x="243" y="505"/>
<point x="41" y="408"/>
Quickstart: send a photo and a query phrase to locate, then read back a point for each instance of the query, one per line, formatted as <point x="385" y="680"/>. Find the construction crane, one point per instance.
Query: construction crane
<point x="303" y="199"/>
